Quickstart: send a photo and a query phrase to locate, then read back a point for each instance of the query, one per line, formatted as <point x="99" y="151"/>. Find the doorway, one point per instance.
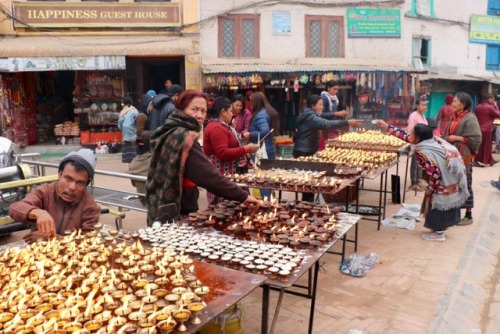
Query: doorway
<point x="144" y="74"/>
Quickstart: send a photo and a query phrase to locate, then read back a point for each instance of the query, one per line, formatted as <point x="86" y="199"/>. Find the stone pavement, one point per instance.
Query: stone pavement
<point x="420" y="286"/>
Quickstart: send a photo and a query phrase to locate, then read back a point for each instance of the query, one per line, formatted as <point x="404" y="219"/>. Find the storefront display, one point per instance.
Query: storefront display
<point x="364" y="95"/>
<point x="97" y="100"/>
<point x="18" y="122"/>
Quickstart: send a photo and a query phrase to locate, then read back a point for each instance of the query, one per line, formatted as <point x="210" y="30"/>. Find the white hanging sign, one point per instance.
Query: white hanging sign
<point x="40" y="64"/>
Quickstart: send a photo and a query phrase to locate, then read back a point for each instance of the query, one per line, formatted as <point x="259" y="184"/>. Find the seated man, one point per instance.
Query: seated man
<point x="61" y="205"/>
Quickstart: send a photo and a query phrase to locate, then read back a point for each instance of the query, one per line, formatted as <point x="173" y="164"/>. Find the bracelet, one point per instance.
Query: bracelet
<point x="428" y="193"/>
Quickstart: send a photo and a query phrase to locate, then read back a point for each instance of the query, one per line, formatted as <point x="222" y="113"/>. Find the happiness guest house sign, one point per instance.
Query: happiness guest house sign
<point x="86" y="15"/>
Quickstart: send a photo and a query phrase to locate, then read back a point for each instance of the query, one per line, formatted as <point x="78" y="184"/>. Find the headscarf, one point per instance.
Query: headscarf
<point x="170" y="144"/>
<point x="452" y="192"/>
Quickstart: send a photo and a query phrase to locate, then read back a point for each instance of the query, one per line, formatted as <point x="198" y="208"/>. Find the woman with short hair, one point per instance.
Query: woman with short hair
<point x="178" y="164"/>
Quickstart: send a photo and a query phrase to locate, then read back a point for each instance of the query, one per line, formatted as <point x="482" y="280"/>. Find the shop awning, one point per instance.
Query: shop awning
<point x="448" y="76"/>
<point x="221" y="65"/>
<point x="64" y="46"/>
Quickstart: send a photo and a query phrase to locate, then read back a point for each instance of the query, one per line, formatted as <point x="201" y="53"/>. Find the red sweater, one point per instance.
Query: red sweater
<point x="218" y="140"/>
<point x="486" y="114"/>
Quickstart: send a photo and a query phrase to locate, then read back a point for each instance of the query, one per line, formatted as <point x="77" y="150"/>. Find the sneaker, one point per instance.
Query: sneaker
<point x="434" y="236"/>
<point x="465" y="221"/>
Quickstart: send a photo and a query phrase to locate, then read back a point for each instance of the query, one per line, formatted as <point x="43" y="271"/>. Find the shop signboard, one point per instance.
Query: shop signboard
<point x="94" y="15"/>
<point x="367" y="22"/>
<point x="485" y="29"/>
<point x="38" y="64"/>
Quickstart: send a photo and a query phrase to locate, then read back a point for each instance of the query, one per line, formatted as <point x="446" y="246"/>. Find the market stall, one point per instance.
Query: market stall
<point x="365" y="94"/>
<point x="39" y="107"/>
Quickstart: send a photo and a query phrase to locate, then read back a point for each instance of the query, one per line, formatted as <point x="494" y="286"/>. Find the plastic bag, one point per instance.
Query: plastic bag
<point x="262" y="152"/>
<point x="357" y="265"/>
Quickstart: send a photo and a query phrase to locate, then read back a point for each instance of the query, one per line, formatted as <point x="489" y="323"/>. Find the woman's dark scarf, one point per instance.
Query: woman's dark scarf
<point x="170" y="145"/>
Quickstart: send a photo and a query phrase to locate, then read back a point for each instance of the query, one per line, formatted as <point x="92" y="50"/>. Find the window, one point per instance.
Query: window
<point x="324" y="36"/>
<point x="493" y="7"/>
<point x="422" y="7"/>
<point x="239" y="36"/>
<point x="421" y="51"/>
<point x="493" y="57"/>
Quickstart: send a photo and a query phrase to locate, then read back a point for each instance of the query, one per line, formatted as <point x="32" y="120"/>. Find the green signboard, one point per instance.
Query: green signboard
<point x="366" y="22"/>
<point x="485" y="29"/>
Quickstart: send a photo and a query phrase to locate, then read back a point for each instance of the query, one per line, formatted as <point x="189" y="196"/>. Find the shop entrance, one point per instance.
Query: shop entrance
<point x="151" y="73"/>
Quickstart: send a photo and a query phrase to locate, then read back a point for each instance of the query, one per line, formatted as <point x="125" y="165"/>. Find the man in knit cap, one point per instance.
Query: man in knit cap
<point x="61" y="205"/>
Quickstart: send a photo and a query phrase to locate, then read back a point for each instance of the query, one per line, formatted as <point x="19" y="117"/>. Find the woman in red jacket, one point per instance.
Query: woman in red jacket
<point x="221" y="143"/>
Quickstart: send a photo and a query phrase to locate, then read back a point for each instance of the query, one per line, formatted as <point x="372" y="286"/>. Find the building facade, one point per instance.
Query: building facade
<point x="443" y="42"/>
<point x="386" y="53"/>
<point x="74" y="61"/>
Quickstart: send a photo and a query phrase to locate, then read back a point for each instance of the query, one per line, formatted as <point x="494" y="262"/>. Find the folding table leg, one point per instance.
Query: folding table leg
<point x="313" y="297"/>
<point x="277" y="310"/>
<point x="265" y="308"/>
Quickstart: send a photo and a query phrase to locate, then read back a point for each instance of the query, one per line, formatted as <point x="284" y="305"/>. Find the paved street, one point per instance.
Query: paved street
<point x="420" y="286"/>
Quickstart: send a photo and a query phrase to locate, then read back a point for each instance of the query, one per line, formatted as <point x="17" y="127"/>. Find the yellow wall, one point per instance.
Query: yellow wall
<point x="192" y="62"/>
<point x="5" y="23"/>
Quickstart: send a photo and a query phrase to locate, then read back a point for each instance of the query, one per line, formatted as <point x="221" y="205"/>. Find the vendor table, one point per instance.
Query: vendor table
<point x="353" y="183"/>
<point x="229" y="286"/>
<point x="380" y="209"/>
<point x="310" y="265"/>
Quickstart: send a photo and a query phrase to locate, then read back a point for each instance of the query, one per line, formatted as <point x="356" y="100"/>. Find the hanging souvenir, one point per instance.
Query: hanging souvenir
<point x="296" y="85"/>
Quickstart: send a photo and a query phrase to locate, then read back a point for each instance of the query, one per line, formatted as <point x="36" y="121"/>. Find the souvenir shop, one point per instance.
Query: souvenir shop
<point x="50" y="106"/>
<point x="78" y="99"/>
<point x="369" y="94"/>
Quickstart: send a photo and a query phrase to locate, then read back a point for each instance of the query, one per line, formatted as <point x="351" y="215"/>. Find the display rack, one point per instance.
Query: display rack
<point x="98" y="98"/>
